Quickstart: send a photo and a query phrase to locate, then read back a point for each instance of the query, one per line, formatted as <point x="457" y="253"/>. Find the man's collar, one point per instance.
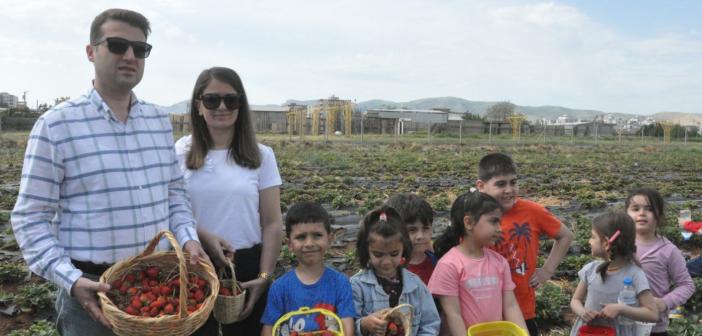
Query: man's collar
<point x="101" y="106"/>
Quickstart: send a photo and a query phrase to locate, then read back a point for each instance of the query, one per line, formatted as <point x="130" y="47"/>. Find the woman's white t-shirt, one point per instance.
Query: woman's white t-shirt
<point x="225" y="196"/>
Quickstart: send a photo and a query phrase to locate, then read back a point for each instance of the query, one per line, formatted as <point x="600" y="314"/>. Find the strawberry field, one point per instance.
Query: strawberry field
<point x="575" y="181"/>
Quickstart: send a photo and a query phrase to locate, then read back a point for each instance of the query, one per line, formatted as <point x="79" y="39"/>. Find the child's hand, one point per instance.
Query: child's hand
<point x="611" y="310"/>
<point x="660" y="305"/>
<point x="373" y="325"/>
<point x="540" y="277"/>
<point x="589" y="315"/>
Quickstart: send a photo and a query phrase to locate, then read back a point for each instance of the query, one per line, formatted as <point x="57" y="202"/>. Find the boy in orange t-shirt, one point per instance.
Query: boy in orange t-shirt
<point x="522" y="225"/>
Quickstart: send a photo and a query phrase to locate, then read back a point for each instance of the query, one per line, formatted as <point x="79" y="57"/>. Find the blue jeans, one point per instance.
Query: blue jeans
<point x="73" y="320"/>
<point x="694" y="266"/>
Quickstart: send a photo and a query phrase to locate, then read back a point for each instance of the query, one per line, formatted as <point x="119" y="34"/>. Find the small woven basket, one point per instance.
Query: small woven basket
<point x="180" y="324"/>
<point x="308" y="311"/>
<point x="228" y="308"/>
<point x="401" y="313"/>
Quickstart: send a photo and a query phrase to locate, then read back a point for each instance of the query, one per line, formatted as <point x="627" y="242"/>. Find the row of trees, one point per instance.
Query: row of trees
<point x="677" y="132"/>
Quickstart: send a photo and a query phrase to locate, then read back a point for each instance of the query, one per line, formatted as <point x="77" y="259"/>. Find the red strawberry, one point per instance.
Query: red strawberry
<point x="165" y="290"/>
<point x="392" y="329"/>
<point x="225" y="291"/>
<point x="199" y="295"/>
<point x="131" y="311"/>
<point x="130" y="277"/>
<point x="152" y="272"/>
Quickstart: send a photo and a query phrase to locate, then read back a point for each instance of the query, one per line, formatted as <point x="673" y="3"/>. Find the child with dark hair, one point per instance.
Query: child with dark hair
<point x="418" y="217"/>
<point x="310" y="284"/>
<point x="523" y="223"/>
<point x="382" y="282"/>
<point x="595" y="299"/>
<point x="660" y="259"/>
<point x="472" y="282"/>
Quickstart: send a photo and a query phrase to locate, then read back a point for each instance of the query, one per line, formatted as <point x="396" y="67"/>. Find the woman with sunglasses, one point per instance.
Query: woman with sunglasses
<point x="234" y="188"/>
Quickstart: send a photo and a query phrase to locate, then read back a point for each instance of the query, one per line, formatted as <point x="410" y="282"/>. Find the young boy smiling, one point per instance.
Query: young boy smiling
<point x="523" y="223"/>
<point x="310" y="284"/>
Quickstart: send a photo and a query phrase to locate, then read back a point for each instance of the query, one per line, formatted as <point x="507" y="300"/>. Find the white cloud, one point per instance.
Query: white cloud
<point x="532" y="53"/>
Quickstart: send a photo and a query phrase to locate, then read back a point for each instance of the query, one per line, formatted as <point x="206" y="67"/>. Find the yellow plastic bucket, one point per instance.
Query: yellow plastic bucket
<point x="496" y="328"/>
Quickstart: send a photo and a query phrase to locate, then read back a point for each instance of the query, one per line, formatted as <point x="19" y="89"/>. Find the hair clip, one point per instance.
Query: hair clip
<point x="472" y="189"/>
<point x="614" y="236"/>
<point x="383" y="217"/>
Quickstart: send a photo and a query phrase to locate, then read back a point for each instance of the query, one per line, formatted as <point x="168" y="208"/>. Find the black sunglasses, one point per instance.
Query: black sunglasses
<point x="119" y="46"/>
<point x="213" y="100"/>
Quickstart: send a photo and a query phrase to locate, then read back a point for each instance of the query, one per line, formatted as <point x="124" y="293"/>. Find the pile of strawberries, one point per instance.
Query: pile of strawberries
<point x="224" y="291"/>
<point x="149" y="292"/>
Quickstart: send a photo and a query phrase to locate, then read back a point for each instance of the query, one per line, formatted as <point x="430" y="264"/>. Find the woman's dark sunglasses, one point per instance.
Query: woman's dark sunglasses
<point x="213" y="100"/>
<point x="119" y="46"/>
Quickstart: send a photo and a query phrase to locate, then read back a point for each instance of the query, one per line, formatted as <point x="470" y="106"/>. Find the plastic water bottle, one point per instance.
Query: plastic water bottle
<point x="627" y="296"/>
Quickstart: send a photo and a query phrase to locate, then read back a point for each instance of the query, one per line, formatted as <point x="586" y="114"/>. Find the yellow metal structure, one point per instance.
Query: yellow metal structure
<point x="315" y="121"/>
<point x="516" y="120"/>
<point x="348" y="118"/>
<point x="296" y="120"/>
<point x="667" y="130"/>
<point x="329" y="109"/>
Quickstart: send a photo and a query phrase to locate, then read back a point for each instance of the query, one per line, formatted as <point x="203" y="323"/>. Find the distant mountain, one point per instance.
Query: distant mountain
<point x="177" y="108"/>
<point x="456" y="104"/>
<point x="479" y="107"/>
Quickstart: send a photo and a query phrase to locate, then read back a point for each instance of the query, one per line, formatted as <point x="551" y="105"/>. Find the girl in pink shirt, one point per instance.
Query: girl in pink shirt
<point x="472" y="282"/>
<point x="660" y="259"/>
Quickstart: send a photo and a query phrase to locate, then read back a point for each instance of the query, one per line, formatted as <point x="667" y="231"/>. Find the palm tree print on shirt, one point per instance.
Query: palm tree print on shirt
<point x="519" y="236"/>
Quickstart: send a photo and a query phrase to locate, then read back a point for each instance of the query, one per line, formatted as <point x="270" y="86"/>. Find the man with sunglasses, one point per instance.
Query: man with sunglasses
<point x="100" y="178"/>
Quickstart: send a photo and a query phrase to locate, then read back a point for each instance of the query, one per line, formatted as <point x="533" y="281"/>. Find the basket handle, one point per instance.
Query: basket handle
<point x="235" y="284"/>
<point x="389" y="311"/>
<point x="183" y="278"/>
<point x="306" y="311"/>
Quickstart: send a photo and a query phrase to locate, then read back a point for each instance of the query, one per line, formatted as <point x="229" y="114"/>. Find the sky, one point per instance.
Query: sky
<point x="630" y="56"/>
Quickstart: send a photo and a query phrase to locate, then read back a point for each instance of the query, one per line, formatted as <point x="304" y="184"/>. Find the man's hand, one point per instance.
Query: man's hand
<point x="255" y="288"/>
<point x="196" y="252"/>
<point x="541" y="275"/>
<point x="218" y="248"/>
<point x="85" y="292"/>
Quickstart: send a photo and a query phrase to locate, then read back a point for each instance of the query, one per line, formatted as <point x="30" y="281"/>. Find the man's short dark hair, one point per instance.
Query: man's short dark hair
<point x="306" y="212"/>
<point x="412" y="208"/>
<point x="495" y="164"/>
<point x="127" y="16"/>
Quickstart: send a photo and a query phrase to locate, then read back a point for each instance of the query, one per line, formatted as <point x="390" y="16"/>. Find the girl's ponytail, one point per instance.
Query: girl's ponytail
<point x="619" y="229"/>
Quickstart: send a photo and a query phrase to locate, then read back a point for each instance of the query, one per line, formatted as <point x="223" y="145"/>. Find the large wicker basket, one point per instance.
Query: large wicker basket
<point x="180" y="324"/>
<point x="227" y="308"/>
<point x="401" y="313"/>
